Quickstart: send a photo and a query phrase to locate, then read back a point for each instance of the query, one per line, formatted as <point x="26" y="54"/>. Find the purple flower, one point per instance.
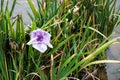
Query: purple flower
<point x="60" y="1"/>
<point x="40" y="40"/>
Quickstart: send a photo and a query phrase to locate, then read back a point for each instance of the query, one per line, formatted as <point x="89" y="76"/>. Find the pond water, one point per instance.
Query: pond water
<point x="113" y="53"/>
<point x="21" y="8"/>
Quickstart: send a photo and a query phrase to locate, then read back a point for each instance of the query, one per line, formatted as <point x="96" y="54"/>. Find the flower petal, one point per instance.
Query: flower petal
<point x="32" y="41"/>
<point x="40" y="40"/>
<point x="50" y="45"/>
<point x="40" y="47"/>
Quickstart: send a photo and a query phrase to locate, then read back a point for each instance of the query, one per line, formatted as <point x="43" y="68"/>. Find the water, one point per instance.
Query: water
<point x="113" y="53"/>
<point x="21" y="8"/>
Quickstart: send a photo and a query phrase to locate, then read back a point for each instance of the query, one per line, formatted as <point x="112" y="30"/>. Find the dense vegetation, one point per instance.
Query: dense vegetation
<point x="79" y="30"/>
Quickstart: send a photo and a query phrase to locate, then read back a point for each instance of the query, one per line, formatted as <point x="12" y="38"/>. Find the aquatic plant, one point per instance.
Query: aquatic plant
<point x="40" y="40"/>
<point x="78" y="29"/>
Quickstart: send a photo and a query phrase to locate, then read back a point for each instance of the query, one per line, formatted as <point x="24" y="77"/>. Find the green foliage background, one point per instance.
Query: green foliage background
<point x="78" y="37"/>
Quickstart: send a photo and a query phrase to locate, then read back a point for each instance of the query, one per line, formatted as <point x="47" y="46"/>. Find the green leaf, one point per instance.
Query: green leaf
<point x="63" y="42"/>
<point x="13" y="6"/>
<point x="39" y="70"/>
<point x="92" y="55"/>
<point x="103" y="61"/>
<point x="33" y="8"/>
<point x="68" y="61"/>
